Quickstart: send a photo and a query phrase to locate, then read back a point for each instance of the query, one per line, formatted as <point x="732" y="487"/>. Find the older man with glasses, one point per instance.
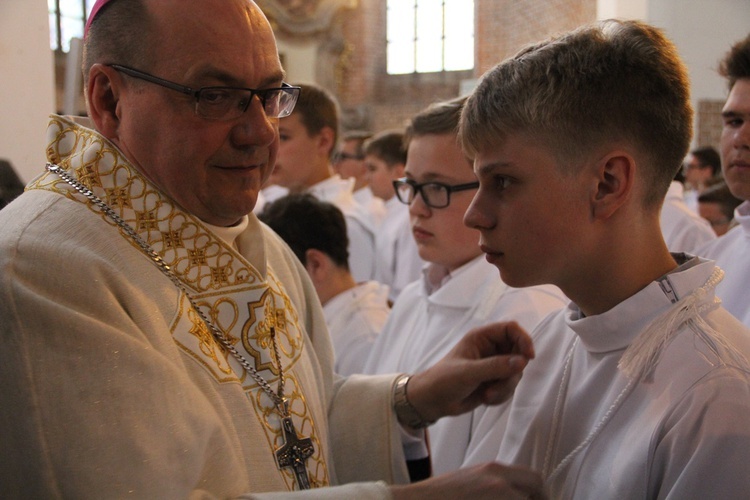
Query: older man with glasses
<point x="158" y="340"/>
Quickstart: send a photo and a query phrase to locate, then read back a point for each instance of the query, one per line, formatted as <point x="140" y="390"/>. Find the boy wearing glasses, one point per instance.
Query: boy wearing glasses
<point x="349" y="163"/>
<point x="641" y="386"/>
<point x="458" y="289"/>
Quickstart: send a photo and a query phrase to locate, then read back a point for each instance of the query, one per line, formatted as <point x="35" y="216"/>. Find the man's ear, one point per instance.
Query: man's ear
<point x="103" y="95"/>
<point x="615" y="179"/>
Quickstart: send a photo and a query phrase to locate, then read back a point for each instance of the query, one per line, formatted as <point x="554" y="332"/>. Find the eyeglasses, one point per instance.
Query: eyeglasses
<point x="341" y="156"/>
<point x="227" y="103"/>
<point x="434" y="194"/>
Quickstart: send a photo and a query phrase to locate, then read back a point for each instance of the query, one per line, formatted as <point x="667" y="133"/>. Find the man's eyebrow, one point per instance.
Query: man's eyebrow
<point x="232" y="81"/>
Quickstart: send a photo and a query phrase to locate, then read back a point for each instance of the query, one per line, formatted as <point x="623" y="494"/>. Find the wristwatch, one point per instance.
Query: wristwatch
<point x="405" y="412"/>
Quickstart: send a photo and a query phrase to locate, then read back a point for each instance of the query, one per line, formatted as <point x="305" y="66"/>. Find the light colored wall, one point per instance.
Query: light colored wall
<point x="299" y="59"/>
<point x="703" y="31"/>
<point x="622" y="9"/>
<point x="27" y="92"/>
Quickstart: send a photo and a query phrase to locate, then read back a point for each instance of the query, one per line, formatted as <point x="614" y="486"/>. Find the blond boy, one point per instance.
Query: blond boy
<point x="640" y="388"/>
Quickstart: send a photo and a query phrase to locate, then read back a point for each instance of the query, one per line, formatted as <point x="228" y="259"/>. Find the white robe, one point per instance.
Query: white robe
<point x="422" y="328"/>
<point x="398" y="261"/>
<point x="355" y="318"/>
<point x="732" y="253"/>
<point x="682" y="433"/>
<point x="360" y="227"/>
<point x="376" y="206"/>
<point x="683" y="229"/>
<point x="113" y="387"/>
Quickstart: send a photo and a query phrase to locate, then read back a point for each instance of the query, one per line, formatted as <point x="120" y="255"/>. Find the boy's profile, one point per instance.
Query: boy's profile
<point x="457" y="289"/>
<point x="640" y="388"/>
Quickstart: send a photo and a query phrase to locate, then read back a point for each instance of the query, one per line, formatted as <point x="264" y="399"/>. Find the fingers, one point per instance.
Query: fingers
<point x="524" y="481"/>
<point x="484" y="367"/>
<point x="499" y="338"/>
<point x="486" y="481"/>
<point x="494" y="393"/>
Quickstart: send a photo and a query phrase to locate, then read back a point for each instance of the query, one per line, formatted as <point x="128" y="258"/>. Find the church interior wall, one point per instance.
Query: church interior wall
<point x="347" y="55"/>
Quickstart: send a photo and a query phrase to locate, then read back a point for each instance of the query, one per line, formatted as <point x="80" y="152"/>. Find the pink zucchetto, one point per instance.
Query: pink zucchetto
<point x="94" y="11"/>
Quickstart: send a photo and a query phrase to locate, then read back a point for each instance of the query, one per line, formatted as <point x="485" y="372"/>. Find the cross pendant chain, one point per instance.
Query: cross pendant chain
<point x="294" y="453"/>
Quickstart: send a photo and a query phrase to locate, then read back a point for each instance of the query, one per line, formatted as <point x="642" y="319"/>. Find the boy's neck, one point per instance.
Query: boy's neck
<point x="621" y="274"/>
<point x="338" y="282"/>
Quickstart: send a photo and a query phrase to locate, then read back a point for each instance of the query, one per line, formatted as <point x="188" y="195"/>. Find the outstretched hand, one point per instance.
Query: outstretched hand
<point x="492" y="481"/>
<point x="483" y="368"/>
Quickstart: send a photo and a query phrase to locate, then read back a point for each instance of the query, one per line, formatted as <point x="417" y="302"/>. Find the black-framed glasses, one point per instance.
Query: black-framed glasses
<point x="434" y="194"/>
<point x="226" y="103"/>
<point x="341" y="156"/>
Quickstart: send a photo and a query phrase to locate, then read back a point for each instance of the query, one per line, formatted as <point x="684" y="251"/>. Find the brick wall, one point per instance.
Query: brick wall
<point x="372" y="99"/>
<point x="505" y="26"/>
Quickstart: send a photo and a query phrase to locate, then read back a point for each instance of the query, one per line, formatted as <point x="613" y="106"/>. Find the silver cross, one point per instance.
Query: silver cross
<point x="294" y="453"/>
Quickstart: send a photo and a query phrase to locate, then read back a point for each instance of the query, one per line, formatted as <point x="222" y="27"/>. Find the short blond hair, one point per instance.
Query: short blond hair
<point x="609" y="81"/>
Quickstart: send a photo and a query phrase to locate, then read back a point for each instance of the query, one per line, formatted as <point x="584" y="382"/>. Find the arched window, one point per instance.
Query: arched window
<point x="429" y="35"/>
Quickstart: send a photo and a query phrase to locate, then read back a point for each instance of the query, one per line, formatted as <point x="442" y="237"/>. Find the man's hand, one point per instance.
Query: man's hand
<point x="483" y="368"/>
<point x="491" y="481"/>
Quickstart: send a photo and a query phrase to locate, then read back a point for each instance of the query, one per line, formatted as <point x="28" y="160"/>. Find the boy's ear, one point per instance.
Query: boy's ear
<point x="397" y="170"/>
<point x="615" y="178"/>
<point x="326" y="139"/>
<point x="103" y="95"/>
<point x="317" y="264"/>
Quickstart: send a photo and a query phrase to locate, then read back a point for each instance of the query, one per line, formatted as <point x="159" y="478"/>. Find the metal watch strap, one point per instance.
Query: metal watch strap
<point x="405" y="412"/>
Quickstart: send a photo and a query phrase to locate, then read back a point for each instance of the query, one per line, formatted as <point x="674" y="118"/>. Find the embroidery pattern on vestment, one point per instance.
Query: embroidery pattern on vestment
<point x="228" y="289"/>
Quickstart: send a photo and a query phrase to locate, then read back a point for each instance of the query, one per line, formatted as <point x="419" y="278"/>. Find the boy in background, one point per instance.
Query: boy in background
<point x="732" y="251"/>
<point x="349" y="163"/>
<point x="397" y="260"/>
<point x="354" y="312"/>
<point x="307" y="140"/>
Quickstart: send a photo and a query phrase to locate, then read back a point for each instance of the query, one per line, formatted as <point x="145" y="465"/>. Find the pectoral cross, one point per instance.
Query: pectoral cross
<point x="294" y="453"/>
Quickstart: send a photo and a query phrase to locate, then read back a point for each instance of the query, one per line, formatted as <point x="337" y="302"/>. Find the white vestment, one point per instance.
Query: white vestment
<point x="355" y="318"/>
<point x="360" y="227"/>
<point x="376" y="206"/>
<point x="422" y="328"/>
<point x="683" y="229"/>
<point x="679" y="432"/>
<point x="114" y="387"/>
<point x="398" y="261"/>
<point x="732" y="253"/>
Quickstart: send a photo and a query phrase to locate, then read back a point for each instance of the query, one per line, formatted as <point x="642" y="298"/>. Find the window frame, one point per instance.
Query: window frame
<point x="55" y="11"/>
<point x="416" y="39"/>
